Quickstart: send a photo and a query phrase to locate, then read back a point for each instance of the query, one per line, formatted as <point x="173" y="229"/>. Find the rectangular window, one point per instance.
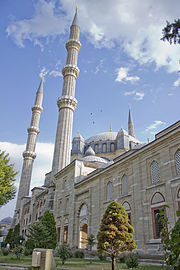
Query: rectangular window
<point x="65" y="234"/>
<point x="157" y="225"/>
<point x="59" y="233"/>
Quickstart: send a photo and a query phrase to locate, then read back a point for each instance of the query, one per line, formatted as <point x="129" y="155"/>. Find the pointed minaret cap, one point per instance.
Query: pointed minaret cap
<point x="75" y="20"/>
<point x="130" y="115"/>
<point x="40" y="89"/>
<point x="110" y="127"/>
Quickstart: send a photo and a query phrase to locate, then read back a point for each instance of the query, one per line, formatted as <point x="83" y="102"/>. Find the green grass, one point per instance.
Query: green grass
<point x="74" y="264"/>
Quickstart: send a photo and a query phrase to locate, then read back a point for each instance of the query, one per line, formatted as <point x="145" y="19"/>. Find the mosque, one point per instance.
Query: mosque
<point x="88" y="174"/>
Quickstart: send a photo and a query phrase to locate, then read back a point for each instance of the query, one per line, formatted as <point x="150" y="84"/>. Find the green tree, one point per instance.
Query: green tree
<point x="116" y="234"/>
<point x="91" y="243"/>
<point x="43" y="233"/>
<point x="10" y="238"/>
<point x="49" y="223"/>
<point x="64" y="252"/>
<point x="171" y="32"/>
<point x="170" y="240"/>
<point x="7" y="179"/>
<point x="16" y="235"/>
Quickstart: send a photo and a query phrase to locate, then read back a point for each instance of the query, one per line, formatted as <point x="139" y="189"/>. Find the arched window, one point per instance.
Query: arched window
<point x="124" y="182"/>
<point x="65" y="184"/>
<point x="155" y="173"/>
<point x="156" y="204"/>
<point x="112" y="148"/>
<point x="178" y="199"/>
<point x="83" y="211"/>
<point x="104" y="147"/>
<point x="96" y="148"/>
<point x="109" y="191"/>
<point x="128" y="210"/>
<point x="177" y="160"/>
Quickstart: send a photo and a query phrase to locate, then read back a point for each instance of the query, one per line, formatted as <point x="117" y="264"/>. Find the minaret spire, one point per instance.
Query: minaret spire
<point x="29" y="154"/>
<point x="67" y="102"/>
<point x="130" y="124"/>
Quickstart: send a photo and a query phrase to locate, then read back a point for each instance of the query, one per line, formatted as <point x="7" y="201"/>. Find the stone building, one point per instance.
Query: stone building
<point x="110" y="166"/>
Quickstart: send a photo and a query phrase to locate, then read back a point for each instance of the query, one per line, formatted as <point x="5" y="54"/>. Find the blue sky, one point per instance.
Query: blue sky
<point x="122" y="61"/>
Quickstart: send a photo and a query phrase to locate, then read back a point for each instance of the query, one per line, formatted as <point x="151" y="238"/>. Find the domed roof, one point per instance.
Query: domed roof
<point x="89" y="152"/>
<point x="105" y="136"/>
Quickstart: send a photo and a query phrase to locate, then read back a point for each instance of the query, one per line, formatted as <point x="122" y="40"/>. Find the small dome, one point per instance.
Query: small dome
<point x="78" y="137"/>
<point x="89" y="152"/>
<point x="122" y="132"/>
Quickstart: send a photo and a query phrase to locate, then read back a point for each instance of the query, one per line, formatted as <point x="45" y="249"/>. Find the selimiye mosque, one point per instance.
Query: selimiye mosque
<point x="88" y="174"/>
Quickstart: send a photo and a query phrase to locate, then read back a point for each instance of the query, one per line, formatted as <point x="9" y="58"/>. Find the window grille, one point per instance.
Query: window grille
<point x="124" y="183"/>
<point x="109" y="191"/>
<point x="177" y="159"/>
<point x="155" y="173"/>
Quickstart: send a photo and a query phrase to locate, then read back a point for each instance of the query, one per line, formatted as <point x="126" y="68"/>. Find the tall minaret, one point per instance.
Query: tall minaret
<point x="130" y="124"/>
<point x="67" y="102"/>
<point x="29" y="154"/>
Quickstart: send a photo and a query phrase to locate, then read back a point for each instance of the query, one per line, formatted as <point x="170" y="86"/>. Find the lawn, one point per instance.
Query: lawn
<point x="73" y="264"/>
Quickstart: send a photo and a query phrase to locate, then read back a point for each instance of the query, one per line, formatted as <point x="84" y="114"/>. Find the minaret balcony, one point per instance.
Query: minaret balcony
<point x="29" y="155"/>
<point x="33" y="129"/>
<point x="37" y="108"/>
<point x="67" y="102"/>
<point x="71" y="70"/>
<point x="73" y="43"/>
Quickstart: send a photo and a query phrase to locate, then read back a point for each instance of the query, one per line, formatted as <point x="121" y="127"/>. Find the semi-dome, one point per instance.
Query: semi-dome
<point x="89" y="152"/>
<point x="105" y="136"/>
<point x="94" y="159"/>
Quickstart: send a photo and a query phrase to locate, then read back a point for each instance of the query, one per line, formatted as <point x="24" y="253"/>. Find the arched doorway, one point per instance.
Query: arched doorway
<point x="83" y="226"/>
<point x="83" y="236"/>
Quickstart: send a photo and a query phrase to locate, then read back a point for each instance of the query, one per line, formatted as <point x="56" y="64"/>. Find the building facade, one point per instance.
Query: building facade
<point x="110" y="166"/>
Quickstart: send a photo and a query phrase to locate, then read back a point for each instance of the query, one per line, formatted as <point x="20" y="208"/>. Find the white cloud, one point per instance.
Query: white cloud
<point x="46" y="22"/>
<point x="154" y="126"/>
<point x="42" y="165"/>
<point x="137" y="95"/>
<point x="136" y="30"/>
<point x="55" y="73"/>
<point x="177" y="82"/>
<point x="122" y="75"/>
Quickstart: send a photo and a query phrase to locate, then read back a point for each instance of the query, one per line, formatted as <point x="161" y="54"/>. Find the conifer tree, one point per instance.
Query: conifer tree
<point x="116" y="234"/>
<point x="43" y="233"/>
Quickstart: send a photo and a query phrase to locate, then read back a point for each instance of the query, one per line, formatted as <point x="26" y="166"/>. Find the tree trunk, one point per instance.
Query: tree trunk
<point x="113" y="258"/>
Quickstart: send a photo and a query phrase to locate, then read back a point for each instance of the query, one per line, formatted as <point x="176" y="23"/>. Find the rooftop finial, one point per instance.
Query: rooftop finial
<point x="110" y="127"/>
<point x="76" y="9"/>
<point x="75" y="20"/>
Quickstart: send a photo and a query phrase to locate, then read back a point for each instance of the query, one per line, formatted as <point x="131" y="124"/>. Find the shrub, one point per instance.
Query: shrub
<point x="102" y="257"/>
<point x="79" y="254"/>
<point x="64" y="252"/>
<point x="30" y="245"/>
<point x="5" y="251"/>
<point x="122" y="258"/>
<point x="18" y="251"/>
<point x="132" y="261"/>
<point x="27" y="252"/>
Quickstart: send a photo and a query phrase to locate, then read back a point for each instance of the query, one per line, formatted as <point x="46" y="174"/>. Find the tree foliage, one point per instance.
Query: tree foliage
<point x="170" y="240"/>
<point x="171" y="32"/>
<point x="116" y="234"/>
<point x="43" y="233"/>
<point x="13" y="237"/>
<point x="64" y="252"/>
<point x="7" y="179"/>
<point x="91" y="243"/>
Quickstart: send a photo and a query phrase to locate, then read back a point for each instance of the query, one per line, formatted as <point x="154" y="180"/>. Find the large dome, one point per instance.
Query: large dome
<point x="105" y="136"/>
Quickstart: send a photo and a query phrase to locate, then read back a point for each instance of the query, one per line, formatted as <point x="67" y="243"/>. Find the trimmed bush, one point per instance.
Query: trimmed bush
<point x="132" y="261"/>
<point x="79" y="254"/>
<point x="18" y="251"/>
<point x="5" y="251"/>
